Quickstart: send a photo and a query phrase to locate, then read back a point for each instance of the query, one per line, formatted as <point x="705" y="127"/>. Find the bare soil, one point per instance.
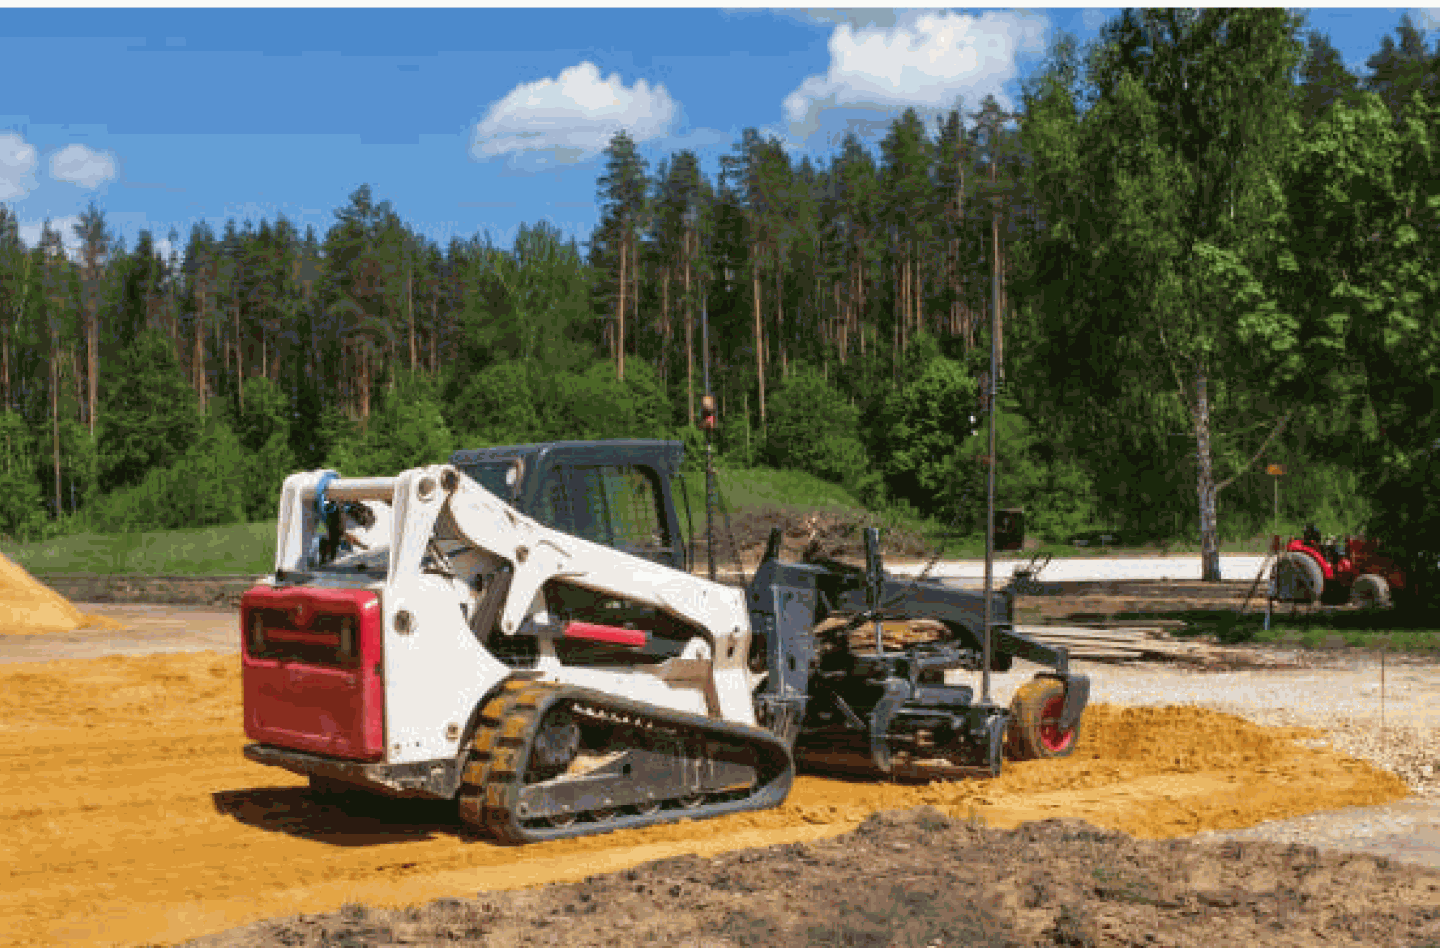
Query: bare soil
<point x="920" y="879"/>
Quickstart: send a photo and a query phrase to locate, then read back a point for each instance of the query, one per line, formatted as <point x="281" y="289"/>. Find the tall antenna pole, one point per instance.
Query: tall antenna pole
<point x="993" y="384"/>
<point x="707" y="422"/>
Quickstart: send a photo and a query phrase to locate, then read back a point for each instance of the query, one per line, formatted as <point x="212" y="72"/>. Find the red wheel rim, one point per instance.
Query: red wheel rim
<point x="1054" y="739"/>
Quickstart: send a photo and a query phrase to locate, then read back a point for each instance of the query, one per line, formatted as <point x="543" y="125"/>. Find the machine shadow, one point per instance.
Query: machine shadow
<point x="356" y="819"/>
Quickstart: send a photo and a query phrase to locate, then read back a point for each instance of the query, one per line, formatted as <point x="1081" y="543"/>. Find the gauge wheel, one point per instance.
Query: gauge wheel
<point x="1034" y="730"/>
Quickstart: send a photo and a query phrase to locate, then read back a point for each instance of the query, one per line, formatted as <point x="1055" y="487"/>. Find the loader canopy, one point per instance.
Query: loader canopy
<point x="616" y="493"/>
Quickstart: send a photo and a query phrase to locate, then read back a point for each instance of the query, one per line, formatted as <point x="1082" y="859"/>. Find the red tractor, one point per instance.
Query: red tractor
<point x="1334" y="573"/>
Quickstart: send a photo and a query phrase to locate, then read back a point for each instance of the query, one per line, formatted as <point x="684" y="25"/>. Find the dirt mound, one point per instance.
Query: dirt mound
<point x="919" y="878"/>
<point x="131" y="816"/>
<point x="29" y="607"/>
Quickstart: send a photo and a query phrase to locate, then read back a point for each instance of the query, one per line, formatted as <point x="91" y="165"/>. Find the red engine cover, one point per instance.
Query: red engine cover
<point x="310" y="682"/>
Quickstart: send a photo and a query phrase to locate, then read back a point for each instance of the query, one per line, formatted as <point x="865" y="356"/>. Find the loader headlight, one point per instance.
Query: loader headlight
<point x="257" y="633"/>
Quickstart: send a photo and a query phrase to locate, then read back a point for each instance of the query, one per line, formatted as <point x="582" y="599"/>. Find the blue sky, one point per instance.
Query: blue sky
<point x="469" y="120"/>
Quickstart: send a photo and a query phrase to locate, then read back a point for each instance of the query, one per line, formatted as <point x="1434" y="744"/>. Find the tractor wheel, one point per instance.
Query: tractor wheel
<point x="1371" y="592"/>
<point x="1034" y="732"/>
<point x="1297" y="578"/>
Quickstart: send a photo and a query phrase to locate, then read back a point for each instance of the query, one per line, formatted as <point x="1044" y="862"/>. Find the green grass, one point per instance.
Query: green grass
<point x="744" y="489"/>
<point x="1360" y="630"/>
<point x="1394" y="629"/>
<point x="247" y="548"/>
<point x="1396" y="640"/>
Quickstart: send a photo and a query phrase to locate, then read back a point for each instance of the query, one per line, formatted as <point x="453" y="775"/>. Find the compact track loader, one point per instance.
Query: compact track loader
<point x="518" y="630"/>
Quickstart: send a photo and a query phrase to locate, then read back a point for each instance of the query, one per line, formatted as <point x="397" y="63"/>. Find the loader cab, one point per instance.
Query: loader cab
<point x="616" y="493"/>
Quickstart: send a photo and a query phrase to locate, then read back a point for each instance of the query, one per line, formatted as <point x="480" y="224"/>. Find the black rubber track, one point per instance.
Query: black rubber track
<point x="500" y="753"/>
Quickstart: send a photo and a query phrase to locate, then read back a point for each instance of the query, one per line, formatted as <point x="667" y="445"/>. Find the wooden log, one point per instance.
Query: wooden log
<point x="1077" y="631"/>
<point x="1104" y="620"/>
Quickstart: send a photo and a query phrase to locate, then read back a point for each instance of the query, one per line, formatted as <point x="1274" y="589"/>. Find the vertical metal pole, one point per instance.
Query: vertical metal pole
<point x="1277" y="505"/>
<point x="709" y="450"/>
<point x="990" y="493"/>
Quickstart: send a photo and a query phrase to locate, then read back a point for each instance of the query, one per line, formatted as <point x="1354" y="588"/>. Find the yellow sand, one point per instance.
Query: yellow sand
<point x="29" y="607"/>
<point x="130" y="817"/>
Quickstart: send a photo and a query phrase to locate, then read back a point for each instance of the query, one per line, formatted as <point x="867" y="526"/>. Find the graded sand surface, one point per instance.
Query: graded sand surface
<point x="129" y="815"/>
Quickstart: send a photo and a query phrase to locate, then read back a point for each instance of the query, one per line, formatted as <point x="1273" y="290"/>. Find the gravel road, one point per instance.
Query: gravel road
<point x="1180" y="566"/>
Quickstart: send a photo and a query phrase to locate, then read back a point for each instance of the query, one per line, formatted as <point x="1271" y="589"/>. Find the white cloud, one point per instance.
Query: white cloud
<point x="1426" y="18"/>
<point x="83" y="166"/>
<point x="570" y="118"/>
<point x="17" y="166"/>
<point x="30" y="232"/>
<point x="926" y="61"/>
<point x="855" y="16"/>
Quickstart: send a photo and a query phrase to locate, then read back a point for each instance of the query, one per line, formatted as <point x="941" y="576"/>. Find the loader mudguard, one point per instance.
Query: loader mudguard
<point x="1077" y="696"/>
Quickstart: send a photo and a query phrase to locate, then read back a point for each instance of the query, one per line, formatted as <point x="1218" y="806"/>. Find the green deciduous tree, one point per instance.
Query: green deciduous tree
<point x="498" y="405"/>
<point x="22" y="508"/>
<point x="596" y="404"/>
<point x="922" y="428"/>
<point x="263" y="430"/>
<point x="1365" y="224"/>
<point x="1164" y="255"/>
<point x="813" y="428"/>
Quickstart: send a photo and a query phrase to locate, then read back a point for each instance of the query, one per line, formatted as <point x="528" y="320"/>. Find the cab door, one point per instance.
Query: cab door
<point x="621" y="506"/>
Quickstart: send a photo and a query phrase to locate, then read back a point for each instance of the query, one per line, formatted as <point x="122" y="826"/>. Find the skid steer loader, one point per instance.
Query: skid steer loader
<point x="518" y="630"/>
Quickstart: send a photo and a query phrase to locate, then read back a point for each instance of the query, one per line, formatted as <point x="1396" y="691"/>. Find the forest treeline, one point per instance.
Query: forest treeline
<point x="1213" y="249"/>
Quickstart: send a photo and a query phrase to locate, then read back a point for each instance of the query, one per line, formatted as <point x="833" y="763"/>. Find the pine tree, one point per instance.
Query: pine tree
<point x="13" y="287"/>
<point x="907" y="190"/>
<point x="682" y="214"/>
<point x="95" y="242"/>
<point x="1324" y="80"/>
<point x="1400" y="70"/>
<point x="622" y="193"/>
<point x="150" y="413"/>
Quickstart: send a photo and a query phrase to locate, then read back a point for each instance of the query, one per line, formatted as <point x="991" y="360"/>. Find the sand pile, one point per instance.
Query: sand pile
<point x="29" y="607"/>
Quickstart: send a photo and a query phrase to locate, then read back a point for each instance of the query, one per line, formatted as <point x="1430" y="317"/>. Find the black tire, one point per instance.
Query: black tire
<point x="1296" y="577"/>
<point x="1371" y="592"/>
<point x="1033" y="733"/>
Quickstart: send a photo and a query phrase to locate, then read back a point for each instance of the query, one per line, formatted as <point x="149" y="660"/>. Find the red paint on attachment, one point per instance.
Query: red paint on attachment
<point x="612" y="634"/>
